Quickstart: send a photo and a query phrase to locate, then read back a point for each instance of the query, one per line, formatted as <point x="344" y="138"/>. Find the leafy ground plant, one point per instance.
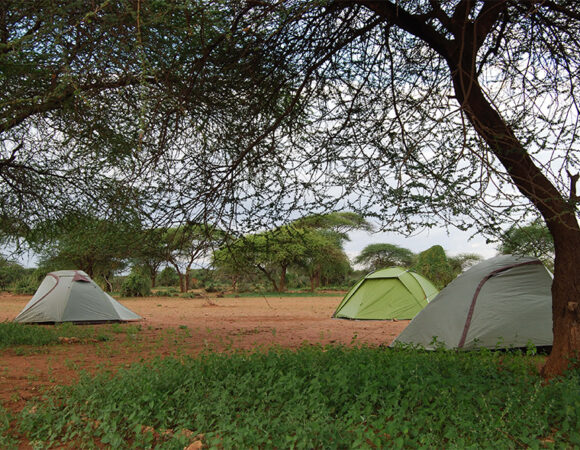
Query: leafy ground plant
<point x="331" y="397"/>
<point x="6" y="438"/>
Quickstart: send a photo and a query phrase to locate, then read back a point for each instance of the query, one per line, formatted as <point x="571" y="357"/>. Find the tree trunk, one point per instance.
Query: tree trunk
<point x="108" y="282"/>
<point x="565" y="303"/>
<point x="282" y="284"/>
<point x="557" y="211"/>
<point x="181" y="282"/>
<point x="181" y="277"/>
<point x="315" y="279"/>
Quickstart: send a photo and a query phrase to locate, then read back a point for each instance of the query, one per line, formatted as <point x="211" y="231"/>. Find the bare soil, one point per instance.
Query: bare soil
<point x="177" y="326"/>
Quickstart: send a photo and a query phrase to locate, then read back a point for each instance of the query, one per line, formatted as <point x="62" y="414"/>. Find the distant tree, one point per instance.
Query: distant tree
<point x="186" y="244"/>
<point x="322" y="256"/>
<point x="463" y="261"/>
<point x="533" y="239"/>
<point x="270" y="253"/>
<point x="326" y="234"/>
<point x="336" y="271"/>
<point x="236" y="262"/>
<point x="10" y="272"/>
<point x="377" y="256"/>
<point x="433" y="264"/>
<point x="151" y="252"/>
<point x="97" y="246"/>
<point x="168" y="277"/>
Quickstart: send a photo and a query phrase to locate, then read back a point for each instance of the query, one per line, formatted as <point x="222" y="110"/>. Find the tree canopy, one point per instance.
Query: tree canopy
<point x="311" y="244"/>
<point x="99" y="247"/>
<point x="377" y="256"/>
<point x="433" y="264"/>
<point x="533" y="239"/>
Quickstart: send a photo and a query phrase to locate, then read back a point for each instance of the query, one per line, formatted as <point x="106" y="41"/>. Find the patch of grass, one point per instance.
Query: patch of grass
<point x="19" y="334"/>
<point x="282" y="294"/>
<point x="125" y="328"/>
<point x="318" y="397"/>
<point x="15" y="334"/>
<point x="166" y="292"/>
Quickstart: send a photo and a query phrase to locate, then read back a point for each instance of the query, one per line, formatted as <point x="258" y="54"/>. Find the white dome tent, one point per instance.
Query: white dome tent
<point x="71" y="296"/>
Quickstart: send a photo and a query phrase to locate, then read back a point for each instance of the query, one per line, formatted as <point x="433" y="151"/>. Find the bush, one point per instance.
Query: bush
<point x="10" y="272"/>
<point x="168" y="277"/>
<point x="26" y="285"/>
<point x="211" y="288"/>
<point x="136" y="285"/>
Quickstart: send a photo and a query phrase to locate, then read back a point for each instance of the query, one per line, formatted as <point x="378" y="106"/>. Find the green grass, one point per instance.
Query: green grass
<point x="332" y="397"/>
<point x="7" y="440"/>
<point x="284" y="294"/>
<point x="14" y="334"/>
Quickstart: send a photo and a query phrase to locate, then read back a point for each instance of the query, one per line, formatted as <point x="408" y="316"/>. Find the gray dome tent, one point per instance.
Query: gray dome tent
<point x="502" y="302"/>
<point x="71" y="296"/>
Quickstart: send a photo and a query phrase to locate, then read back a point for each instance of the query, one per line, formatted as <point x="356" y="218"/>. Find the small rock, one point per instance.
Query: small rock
<point x="194" y="446"/>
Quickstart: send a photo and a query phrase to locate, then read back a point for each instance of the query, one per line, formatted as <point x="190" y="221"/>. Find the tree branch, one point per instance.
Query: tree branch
<point x="486" y="19"/>
<point x="396" y="15"/>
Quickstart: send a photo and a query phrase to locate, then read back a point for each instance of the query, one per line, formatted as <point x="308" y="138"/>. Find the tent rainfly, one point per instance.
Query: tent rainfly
<point x="392" y="293"/>
<point x="502" y="302"/>
<point x="71" y="296"/>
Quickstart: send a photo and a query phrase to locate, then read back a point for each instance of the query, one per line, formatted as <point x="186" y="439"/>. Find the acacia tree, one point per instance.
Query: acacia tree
<point x="532" y="239"/>
<point x="464" y="109"/>
<point x="312" y="244"/>
<point x="270" y="253"/>
<point x="99" y="247"/>
<point x="323" y="254"/>
<point x="151" y="252"/>
<point x="433" y="264"/>
<point x="419" y="112"/>
<point x="325" y="251"/>
<point x="186" y="244"/>
<point x="96" y="98"/>
<point x="377" y="256"/>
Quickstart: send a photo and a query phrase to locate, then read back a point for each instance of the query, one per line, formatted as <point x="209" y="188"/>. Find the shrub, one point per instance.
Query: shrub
<point x="26" y="285"/>
<point x="10" y="272"/>
<point x="168" y="292"/>
<point x="136" y="285"/>
<point x="168" y="277"/>
<point x="211" y="288"/>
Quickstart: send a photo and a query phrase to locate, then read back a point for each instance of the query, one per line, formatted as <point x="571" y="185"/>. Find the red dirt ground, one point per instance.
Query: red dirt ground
<point x="180" y="326"/>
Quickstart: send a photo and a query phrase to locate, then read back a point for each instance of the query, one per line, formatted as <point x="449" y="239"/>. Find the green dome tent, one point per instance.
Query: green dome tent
<point x="71" y="296"/>
<point x="502" y="302"/>
<point x="392" y="293"/>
